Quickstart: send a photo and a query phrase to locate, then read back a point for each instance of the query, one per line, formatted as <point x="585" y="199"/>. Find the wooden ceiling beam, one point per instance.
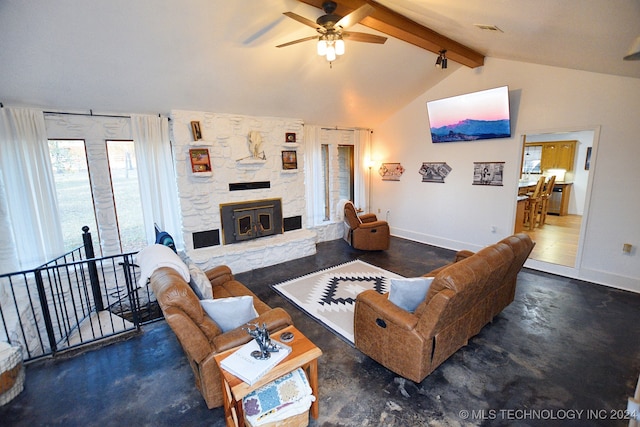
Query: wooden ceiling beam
<point x="395" y="25"/>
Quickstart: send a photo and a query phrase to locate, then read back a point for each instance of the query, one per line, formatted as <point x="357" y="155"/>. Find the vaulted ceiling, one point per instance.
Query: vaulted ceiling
<point x="147" y="56"/>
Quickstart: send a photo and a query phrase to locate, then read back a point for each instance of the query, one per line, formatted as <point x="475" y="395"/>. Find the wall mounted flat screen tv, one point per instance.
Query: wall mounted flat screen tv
<point x="470" y="117"/>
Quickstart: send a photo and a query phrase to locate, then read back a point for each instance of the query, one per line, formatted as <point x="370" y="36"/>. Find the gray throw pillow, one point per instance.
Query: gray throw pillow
<point x="229" y="313"/>
<point x="409" y="293"/>
<point x="201" y="281"/>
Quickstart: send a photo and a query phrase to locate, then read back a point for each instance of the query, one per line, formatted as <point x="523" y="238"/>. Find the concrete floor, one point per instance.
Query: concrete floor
<point x="565" y="352"/>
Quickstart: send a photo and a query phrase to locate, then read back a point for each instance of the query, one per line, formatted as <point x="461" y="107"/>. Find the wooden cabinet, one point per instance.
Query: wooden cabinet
<point x="564" y="201"/>
<point x="557" y="155"/>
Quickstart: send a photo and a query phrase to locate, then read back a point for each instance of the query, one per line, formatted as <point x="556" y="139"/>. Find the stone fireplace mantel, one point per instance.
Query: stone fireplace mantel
<point x="257" y="253"/>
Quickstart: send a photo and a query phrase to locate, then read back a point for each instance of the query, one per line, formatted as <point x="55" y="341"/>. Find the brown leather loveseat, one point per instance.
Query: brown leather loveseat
<point x="201" y="338"/>
<point x="463" y="297"/>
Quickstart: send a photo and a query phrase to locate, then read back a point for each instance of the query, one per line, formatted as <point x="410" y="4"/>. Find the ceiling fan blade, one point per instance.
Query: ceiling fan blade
<point x="297" y="41"/>
<point x="363" y="37"/>
<point x="356" y="16"/>
<point x="304" y="21"/>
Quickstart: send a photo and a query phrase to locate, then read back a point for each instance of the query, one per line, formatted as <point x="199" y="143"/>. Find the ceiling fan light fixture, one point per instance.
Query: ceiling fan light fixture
<point x="332" y="28"/>
<point x="331" y="53"/>
<point x="339" y="47"/>
<point x="322" y="47"/>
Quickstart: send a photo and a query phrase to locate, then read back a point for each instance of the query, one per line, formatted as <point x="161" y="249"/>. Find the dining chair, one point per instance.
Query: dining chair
<point x="532" y="204"/>
<point x="544" y="199"/>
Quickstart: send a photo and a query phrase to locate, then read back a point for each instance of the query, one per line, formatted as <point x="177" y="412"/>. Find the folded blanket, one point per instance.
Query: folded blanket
<point x="156" y="256"/>
<point x="285" y="397"/>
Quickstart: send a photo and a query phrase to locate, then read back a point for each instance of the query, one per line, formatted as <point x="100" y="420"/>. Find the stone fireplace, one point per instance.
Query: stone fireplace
<point x="237" y="179"/>
<point x="250" y="220"/>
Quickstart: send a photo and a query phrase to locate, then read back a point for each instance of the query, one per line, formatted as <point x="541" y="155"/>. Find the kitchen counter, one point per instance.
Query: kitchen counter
<point x="523" y="184"/>
<point x="558" y="207"/>
<point x="522" y="200"/>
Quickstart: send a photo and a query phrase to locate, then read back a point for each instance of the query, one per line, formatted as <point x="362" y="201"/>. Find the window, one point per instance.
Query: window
<point x="336" y="159"/>
<point x="73" y="191"/>
<point x="532" y="159"/>
<point x="337" y="170"/>
<point x="324" y="151"/>
<point x="126" y="195"/>
<point x="76" y="201"/>
<point x="345" y="172"/>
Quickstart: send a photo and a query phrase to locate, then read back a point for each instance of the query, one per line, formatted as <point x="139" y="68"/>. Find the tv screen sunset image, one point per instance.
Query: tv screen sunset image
<point x="470" y="117"/>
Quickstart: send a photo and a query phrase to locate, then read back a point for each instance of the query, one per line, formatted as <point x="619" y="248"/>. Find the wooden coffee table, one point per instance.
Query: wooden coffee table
<point x="303" y="354"/>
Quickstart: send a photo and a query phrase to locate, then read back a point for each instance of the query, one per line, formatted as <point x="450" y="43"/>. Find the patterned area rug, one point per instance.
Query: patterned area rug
<point x="329" y="295"/>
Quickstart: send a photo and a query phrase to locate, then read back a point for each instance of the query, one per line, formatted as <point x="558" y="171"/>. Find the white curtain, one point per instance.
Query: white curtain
<point x="313" y="175"/>
<point x="362" y="178"/>
<point x="30" y="195"/>
<point x="156" y="176"/>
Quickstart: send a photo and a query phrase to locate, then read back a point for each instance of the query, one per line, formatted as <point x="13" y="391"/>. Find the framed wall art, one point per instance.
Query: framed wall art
<point x="200" y="161"/>
<point x="391" y="171"/>
<point x="434" y="172"/>
<point x="290" y="137"/>
<point x="289" y="159"/>
<point x="488" y="173"/>
<point x="196" y="131"/>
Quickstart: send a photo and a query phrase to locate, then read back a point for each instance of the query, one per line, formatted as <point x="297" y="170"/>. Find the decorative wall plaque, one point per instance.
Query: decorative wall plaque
<point x="488" y="173"/>
<point x="391" y="171"/>
<point x="434" y="172"/>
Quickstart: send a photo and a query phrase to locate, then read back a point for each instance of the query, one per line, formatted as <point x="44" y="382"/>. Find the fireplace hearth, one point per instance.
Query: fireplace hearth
<point x="250" y="220"/>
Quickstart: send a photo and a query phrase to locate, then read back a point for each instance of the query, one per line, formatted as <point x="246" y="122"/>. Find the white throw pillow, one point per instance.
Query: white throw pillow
<point x="229" y="313"/>
<point x="201" y="281"/>
<point x="409" y="293"/>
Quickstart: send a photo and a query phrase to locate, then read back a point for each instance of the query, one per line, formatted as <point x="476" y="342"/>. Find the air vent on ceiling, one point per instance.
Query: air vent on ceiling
<point x="489" y="27"/>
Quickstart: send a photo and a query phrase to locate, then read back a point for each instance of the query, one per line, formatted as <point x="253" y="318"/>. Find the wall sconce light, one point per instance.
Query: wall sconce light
<point x="441" y="62"/>
<point x="634" y="52"/>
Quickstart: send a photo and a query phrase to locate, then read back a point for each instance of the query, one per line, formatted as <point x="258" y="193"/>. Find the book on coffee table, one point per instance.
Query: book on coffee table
<point x="249" y="369"/>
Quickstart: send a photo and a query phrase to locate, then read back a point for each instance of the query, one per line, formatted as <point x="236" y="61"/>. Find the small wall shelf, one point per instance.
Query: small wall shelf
<point x="250" y="162"/>
<point x="202" y="174"/>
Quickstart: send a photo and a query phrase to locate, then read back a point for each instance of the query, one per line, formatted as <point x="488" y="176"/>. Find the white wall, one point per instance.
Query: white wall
<point x="458" y="215"/>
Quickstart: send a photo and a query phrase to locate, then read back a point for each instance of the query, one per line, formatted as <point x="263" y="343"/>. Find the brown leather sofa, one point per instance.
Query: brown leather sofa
<point x="365" y="232"/>
<point x="463" y="297"/>
<point x="200" y="337"/>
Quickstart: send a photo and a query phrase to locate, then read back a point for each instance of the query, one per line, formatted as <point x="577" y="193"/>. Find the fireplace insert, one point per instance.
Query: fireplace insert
<point x="251" y="220"/>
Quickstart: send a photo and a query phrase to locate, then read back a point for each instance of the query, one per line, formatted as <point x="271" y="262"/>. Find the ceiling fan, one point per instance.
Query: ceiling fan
<point x="332" y="29"/>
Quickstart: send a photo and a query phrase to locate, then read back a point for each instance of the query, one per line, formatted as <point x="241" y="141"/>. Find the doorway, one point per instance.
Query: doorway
<point x="559" y="240"/>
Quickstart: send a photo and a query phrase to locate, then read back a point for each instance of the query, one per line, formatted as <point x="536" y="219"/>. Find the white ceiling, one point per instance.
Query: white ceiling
<point x="149" y="56"/>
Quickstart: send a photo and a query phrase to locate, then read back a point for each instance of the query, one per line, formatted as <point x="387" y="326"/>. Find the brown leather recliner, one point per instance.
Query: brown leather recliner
<point x="199" y="335"/>
<point x="365" y="231"/>
<point x="463" y="297"/>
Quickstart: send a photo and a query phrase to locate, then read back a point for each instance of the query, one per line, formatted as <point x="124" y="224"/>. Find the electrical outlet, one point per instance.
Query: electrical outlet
<point x="378" y="210"/>
<point x="626" y="248"/>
